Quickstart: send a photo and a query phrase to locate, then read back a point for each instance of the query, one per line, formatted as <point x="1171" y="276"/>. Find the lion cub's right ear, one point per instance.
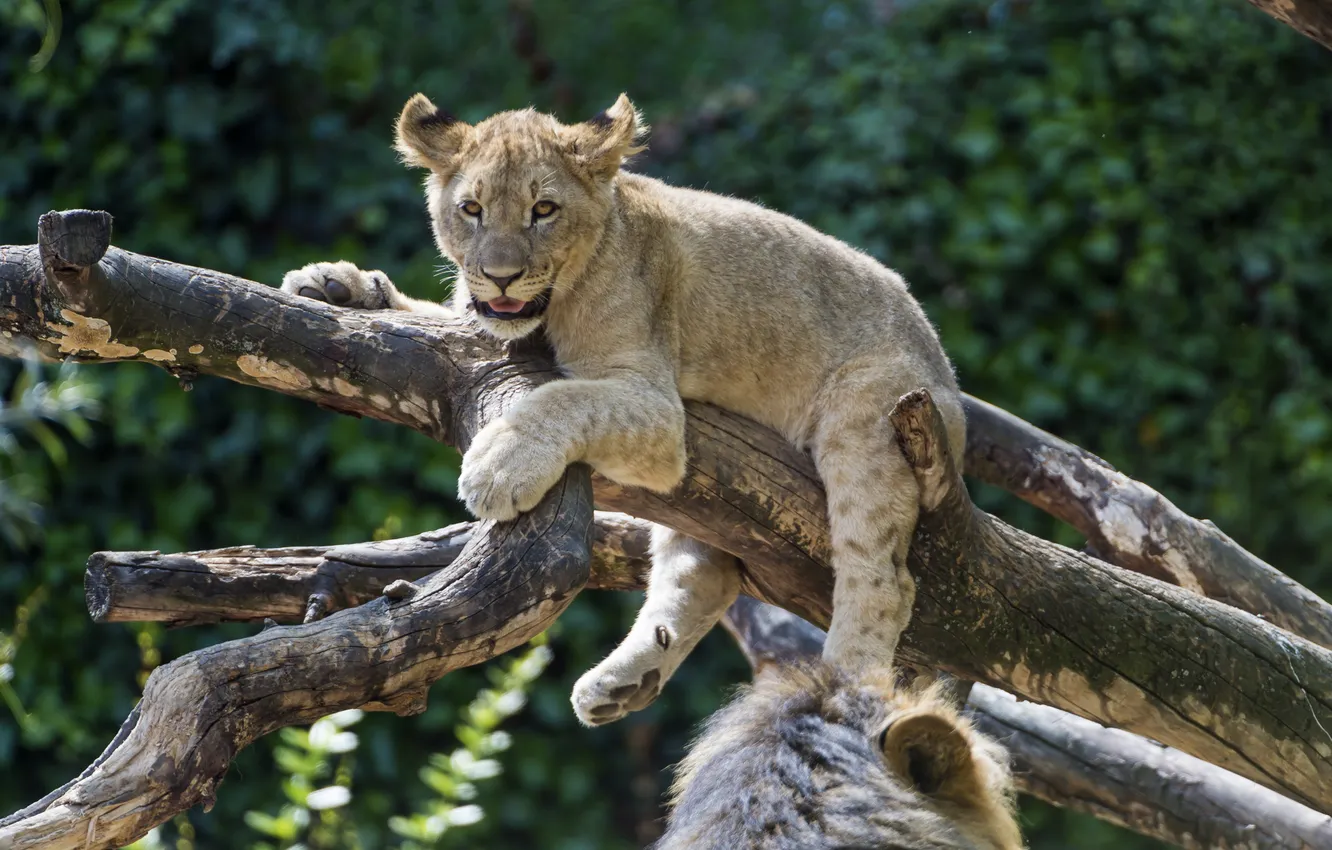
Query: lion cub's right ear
<point x="429" y="137"/>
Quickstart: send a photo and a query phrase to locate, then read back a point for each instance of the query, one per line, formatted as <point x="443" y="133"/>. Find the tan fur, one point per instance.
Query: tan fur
<point x="653" y="294"/>
<point x="817" y="757"/>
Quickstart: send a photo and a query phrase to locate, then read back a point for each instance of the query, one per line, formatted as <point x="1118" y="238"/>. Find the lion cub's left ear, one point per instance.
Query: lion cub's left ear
<point x="429" y="137"/>
<point x="930" y="751"/>
<point x="602" y="143"/>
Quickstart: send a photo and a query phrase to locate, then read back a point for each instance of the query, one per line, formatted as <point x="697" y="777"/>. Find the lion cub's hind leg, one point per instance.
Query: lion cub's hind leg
<point x="873" y="502"/>
<point x="689" y="590"/>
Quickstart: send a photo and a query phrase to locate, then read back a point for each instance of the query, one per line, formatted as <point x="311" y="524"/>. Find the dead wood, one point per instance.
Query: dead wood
<point x="1067" y="761"/>
<point x="995" y="605"/>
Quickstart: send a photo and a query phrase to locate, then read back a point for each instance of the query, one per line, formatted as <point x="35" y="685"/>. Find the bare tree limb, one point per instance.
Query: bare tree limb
<point x="424" y="373"/>
<point x="1308" y="17"/>
<point x="1064" y="760"/>
<point x="1131" y="525"/>
<point x="994" y="605"/>
<point x="1067" y="761"/>
<point x="244" y="583"/>
<point x="198" y="711"/>
<point x="1002" y="607"/>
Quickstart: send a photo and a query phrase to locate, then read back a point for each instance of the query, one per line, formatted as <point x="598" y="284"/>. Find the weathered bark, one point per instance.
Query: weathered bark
<point x="1067" y="761"/>
<point x="1064" y="760"/>
<point x="1131" y="525"/>
<point x="1141" y="785"/>
<point x="424" y="373"/>
<point x="1002" y="607"/>
<point x="198" y="711"/>
<point x="289" y="584"/>
<point x="994" y="605"/>
<point x="1309" y="17"/>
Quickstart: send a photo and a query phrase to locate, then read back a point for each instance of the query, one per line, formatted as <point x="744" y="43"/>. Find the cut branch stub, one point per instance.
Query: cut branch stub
<point x="244" y="583"/>
<point x="72" y="242"/>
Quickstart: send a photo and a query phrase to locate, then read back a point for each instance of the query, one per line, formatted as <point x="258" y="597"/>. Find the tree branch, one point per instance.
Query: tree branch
<point x="1308" y="17"/>
<point x="427" y="373"/>
<point x="1000" y="606"/>
<point x="994" y="605"/>
<point x="1131" y="525"/>
<point x="198" y="711"/>
<point x="1115" y="776"/>
<point x="1067" y="761"/>
<point x="244" y="583"/>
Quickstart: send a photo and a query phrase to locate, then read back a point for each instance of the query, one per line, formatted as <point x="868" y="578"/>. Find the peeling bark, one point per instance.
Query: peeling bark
<point x="1115" y="776"/>
<point x="994" y="605"/>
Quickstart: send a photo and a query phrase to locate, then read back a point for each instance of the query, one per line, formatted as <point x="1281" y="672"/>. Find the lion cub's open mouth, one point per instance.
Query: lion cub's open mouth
<point x="506" y="309"/>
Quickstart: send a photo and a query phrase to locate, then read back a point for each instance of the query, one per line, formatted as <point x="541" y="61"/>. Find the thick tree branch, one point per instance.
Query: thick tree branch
<point x="198" y="711"/>
<point x="426" y="374"/>
<point x="1064" y="760"/>
<point x="1067" y="761"/>
<point x="1131" y="525"/>
<point x="995" y="605"/>
<point x="1309" y="17"/>
<point x="999" y="606"/>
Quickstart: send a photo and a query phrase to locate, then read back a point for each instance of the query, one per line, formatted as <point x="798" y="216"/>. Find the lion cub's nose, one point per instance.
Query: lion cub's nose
<point x="502" y="276"/>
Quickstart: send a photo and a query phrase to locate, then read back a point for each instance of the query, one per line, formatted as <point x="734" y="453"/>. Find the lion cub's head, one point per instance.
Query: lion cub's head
<point x="518" y="201"/>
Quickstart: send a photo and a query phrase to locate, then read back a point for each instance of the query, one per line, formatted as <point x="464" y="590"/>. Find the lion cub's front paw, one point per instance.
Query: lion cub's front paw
<point x="342" y="284"/>
<point x="507" y="470"/>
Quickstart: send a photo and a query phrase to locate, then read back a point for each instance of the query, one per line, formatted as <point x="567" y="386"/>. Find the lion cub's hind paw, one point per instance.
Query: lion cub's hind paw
<point x="601" y="698"/>
<point x="342" y="284"/>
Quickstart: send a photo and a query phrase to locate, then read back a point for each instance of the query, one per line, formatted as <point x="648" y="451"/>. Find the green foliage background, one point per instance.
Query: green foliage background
<point x="1115" y="211"/>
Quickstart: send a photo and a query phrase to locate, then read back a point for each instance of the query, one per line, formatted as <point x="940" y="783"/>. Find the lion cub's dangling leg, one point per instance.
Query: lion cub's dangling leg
<point x="873" y="502"/>
<point x="689" y="590"/>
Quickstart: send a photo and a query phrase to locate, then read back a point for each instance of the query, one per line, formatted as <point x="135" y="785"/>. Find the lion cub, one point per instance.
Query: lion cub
<point x="815" y="758"/>
<point x="651" y="294"/>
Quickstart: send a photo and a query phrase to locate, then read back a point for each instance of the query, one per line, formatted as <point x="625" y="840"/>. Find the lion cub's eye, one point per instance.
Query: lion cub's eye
<point x="471" y="208"/>
<point x="544" y="209"/>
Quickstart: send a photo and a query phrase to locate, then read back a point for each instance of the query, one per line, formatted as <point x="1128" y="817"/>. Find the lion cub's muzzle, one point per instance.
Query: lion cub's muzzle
<point x="507" y="309"/>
